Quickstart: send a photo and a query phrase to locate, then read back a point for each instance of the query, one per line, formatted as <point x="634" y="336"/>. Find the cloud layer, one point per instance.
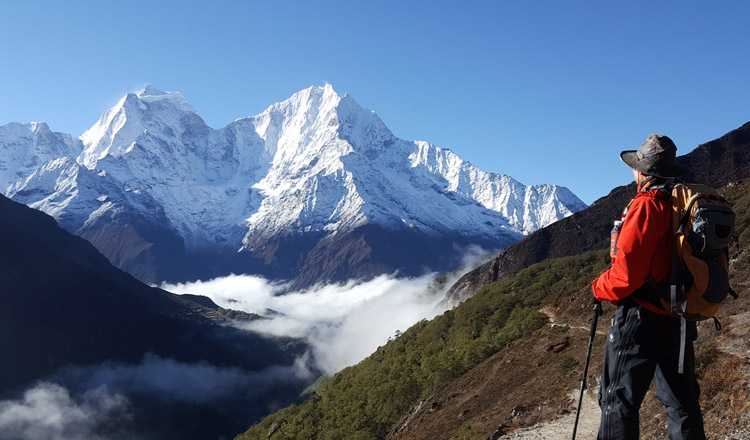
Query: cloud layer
<point x="169" y="380"/>
<point x="48" y="411"/>
<point x="154" y="399"/>
<point x="344" y="323"/>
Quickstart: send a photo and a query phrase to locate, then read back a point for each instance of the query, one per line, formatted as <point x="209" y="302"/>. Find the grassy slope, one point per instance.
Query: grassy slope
<point x="495" y="350"/>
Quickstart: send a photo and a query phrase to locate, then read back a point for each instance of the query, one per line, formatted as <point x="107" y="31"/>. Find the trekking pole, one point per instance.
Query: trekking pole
<point x="597" y="313"/>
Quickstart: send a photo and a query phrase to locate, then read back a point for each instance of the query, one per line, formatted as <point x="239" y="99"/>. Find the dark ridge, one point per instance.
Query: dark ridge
<point x="372" y="250"/>
<point x="63" y="303"/>
<point x="202" y="300"/>
<point x="64" y="306"/>
<point x="721" y="161"/>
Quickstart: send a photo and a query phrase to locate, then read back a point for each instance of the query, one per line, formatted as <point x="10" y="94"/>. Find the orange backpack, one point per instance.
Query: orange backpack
<point x="703" y="223"/>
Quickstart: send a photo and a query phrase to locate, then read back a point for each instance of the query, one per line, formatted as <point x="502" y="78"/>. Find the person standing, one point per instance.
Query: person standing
<point x="644" y="341"/>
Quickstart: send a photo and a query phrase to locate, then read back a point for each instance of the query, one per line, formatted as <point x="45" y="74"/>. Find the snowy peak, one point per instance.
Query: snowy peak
<point x="297" y="115"/>
<point x="314" y="106"/>
<point x="150" y="94"/>
<point x="310" y="102"/>
<point x="322" y="175"/>
<point x="150" y="90"/>
<point x="25" y="147"/>
<point x="150" y="113"/>
<point x="111" y="132"/>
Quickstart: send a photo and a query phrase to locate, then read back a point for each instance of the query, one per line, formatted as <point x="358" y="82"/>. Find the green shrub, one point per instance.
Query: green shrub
<point x="567" y="364"/>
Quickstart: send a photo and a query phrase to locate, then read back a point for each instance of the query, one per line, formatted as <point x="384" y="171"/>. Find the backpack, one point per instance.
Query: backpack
<point x="703" y="225"/>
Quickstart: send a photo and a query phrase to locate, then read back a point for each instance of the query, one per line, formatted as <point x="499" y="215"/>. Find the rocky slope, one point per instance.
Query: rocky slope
<point x="315" y="187"/>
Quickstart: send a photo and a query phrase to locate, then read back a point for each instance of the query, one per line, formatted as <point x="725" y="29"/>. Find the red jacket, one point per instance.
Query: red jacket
<point x="644" y="249"/>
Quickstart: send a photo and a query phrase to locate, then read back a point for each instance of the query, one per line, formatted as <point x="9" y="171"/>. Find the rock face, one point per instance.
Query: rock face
<point x="715" y="163"/>
<point x="315" y="188"/>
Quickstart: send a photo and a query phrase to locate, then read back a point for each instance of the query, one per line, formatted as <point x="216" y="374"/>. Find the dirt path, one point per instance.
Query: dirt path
<point x="732" y="341"/>
<point x="562" y="428"/>
<point x="601" y="329"/>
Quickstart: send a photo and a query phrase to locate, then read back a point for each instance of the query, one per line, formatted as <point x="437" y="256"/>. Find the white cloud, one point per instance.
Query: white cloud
<point x="473" y="256"/>
<point x="388" y="305"/>
<point x="48" y="411"/>
<point x="239" y="292"/>
<point x="344" y="323"/>
<point x="118" y="401"/>
<point x="168" y="379"/>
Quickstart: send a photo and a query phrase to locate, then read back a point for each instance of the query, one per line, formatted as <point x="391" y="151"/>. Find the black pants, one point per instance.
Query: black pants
<point x="642" y="345"/>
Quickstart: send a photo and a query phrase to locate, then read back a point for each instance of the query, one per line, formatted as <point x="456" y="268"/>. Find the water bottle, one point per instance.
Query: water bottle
<point x="613" y="238"/>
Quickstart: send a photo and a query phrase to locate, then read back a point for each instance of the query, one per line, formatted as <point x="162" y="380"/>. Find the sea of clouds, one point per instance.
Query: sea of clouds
<point x="342" y="323"/>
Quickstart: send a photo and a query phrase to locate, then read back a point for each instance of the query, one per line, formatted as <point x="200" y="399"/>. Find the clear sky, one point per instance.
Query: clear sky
<point x="544" y="91"/>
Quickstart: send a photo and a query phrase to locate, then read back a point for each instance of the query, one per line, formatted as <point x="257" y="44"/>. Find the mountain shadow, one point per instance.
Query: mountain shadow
<point x="64" y="307"/>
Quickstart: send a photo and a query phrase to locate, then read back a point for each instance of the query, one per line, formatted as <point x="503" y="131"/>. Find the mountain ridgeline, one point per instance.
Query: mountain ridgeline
<point x="314" y="189"/>
<point x="509" y="355"/>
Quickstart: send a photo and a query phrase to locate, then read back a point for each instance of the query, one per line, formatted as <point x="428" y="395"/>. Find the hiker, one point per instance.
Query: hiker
<point x="644" y="341"/>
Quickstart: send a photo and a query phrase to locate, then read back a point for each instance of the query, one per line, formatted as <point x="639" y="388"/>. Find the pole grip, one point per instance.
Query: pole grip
<point x="597" y="312"/>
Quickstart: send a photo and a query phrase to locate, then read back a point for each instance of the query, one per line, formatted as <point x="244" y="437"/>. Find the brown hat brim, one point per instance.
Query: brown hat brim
<point x="631" y="159"/>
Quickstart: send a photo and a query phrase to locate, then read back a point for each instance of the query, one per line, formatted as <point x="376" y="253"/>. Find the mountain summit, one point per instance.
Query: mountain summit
<point x="314" y="188"/>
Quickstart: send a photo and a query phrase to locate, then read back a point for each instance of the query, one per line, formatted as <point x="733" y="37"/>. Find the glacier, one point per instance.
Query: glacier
<point x="314" y="185"/>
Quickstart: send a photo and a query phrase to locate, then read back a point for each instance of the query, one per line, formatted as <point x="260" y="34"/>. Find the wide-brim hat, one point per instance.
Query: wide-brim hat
<point x="656" y="157"/>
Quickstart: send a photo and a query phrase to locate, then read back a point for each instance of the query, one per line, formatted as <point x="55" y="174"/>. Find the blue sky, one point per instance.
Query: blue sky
<point x="545" y="91"/>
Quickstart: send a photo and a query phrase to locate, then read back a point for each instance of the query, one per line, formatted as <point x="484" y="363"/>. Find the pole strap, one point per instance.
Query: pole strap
<point x="683" y="341"/>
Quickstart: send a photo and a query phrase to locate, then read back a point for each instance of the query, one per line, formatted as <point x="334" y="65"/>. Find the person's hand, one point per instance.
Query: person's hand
<point x="596" y="302"/>
<point x="594" y="299"/>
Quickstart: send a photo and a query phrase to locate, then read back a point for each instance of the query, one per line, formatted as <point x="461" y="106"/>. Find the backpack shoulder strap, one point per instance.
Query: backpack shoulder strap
<point x="665" y="187"/>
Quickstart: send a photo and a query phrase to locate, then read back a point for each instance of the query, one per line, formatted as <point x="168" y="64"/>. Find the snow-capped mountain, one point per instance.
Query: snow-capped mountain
<point x="26" y="147"/>
<point x="315" y="187"/>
